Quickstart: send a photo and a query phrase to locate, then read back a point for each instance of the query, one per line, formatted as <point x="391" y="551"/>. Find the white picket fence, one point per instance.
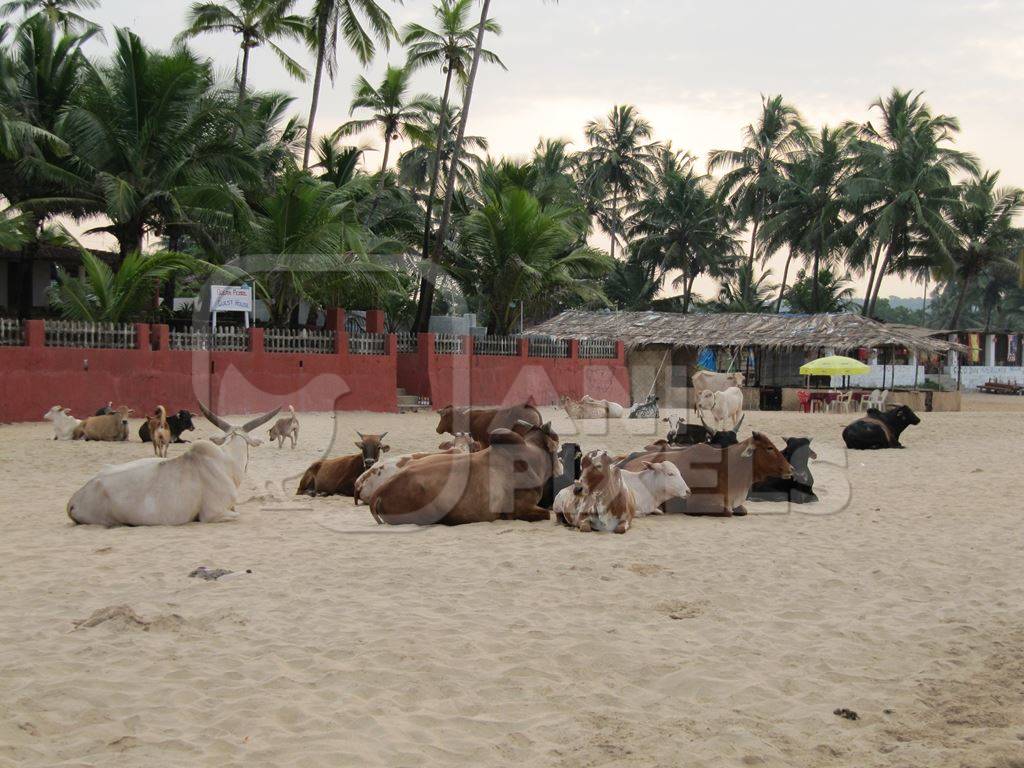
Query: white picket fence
<point x="601" y="349"/>
<point x="86" y="335"/>
<point x="225" y="339"/>
<point x="407" y="342"/>
<point x="542" y="347"/>
<point x="367" y="344"/>
<point x="447" y="344"/>
<point x="504" y="346"/>
<point x="11" y="334"/>
<point x="302" y="341"/>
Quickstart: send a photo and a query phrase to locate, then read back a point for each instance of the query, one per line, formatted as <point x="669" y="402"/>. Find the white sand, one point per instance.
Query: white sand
<point x="698" y="642"/>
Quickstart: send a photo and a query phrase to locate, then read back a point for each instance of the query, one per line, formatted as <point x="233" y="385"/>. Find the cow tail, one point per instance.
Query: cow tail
<point x="375" y="504"/>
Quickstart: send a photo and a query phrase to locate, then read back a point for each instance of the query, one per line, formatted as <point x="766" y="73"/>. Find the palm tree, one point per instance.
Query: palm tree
<point x="393" y="113"/>
<point x="751" y="182"/>
<point x="985" y="238"/>
<point x="618" y="162"/>
<point x="821" y="291"/>
<point x="516" y="254"/>
<point x="417" y="163"/>
<point x="740" y="291"/>
<point x="632" y="285"/>
<point x="680" y="225"/>
<point x="449" y="46"/>
<point x="257" y="22"/>
<point x="152" y="145"/>
<point x="903" y="185"/>
<point x="62" y="13"/>
<point x="105" y="295"/>
<point x="808" y="214"/>
<point x="360" y="22"/>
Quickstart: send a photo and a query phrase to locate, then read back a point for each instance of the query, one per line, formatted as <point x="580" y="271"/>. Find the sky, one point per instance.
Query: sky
<point x="695" y="69"/>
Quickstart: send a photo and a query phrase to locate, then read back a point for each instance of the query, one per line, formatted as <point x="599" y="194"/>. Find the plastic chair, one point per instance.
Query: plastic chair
<point x="842" y="403"/>
<point x="874" y="400"/>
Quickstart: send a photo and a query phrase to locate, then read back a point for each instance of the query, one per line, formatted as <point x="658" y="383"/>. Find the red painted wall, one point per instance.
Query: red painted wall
<point x="495" y="380"/>
<point x="35" y="377"/>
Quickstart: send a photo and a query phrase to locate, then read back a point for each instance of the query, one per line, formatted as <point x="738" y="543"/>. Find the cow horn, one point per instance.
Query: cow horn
<point x="522" y="423"/>
<point x="214" y="418"/>
<point x="249" y="426"/>
<point x="360" y="435"/>
<point x="382" y="435"/>
<point x="739" y="424"/>
<point x="701" y="417"/>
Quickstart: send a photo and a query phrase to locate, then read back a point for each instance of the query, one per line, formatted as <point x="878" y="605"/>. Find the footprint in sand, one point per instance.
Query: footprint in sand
<point x="679" y="609"/>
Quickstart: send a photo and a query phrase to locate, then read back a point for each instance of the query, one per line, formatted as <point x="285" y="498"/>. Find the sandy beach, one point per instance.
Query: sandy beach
<point x="688" y="641"/>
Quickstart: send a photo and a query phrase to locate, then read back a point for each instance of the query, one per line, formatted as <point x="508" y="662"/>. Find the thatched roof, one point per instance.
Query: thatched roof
<point x="839" y="331"/>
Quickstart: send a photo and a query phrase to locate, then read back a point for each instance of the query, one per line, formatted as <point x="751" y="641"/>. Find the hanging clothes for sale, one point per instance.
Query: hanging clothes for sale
<point x="1011" y="348"/>
<point x="974" y="342"/>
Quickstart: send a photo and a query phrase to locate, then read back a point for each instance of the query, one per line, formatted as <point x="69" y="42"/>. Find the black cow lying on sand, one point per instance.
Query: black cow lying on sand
<point x="878" y="429"/>
<point x="177" y="423"/>
<point x="797" y="489"/>
<point x="683" y="434"/>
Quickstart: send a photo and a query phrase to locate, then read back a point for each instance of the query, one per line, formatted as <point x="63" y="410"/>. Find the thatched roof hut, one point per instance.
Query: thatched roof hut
<point x="841" y="332"/>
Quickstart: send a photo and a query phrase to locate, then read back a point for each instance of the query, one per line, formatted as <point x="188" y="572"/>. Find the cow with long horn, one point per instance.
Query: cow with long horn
<point x="200" y="484"/>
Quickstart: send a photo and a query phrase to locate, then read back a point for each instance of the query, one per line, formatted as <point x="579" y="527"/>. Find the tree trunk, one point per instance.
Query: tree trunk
<point x="782" y="288"/>
<point x="383" y="178"/>
<point x="753" y="243"/>
<point x="174" y="244"/>
<point x="871" y="280"/>
<point x="688" y="293"/>
<point x="881" y="276"/>
<point x="615" y="214"/>
<point x="958" y="310"/>
<point x="245" y="70"/>
<point x="435" y="176"/>
<point x="320" y="50"/>
<point x="427" y="288"/>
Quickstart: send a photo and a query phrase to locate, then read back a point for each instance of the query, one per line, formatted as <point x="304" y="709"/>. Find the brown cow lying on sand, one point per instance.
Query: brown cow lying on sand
<point x="372" y="479"/>
<point x="502" y="482"/>
<point x="337" y="477"/>
<point x="112" y="427"/>
<point x="720" y="478"/>
<point x="601" y="502"/>
<point x="480" y="422"/>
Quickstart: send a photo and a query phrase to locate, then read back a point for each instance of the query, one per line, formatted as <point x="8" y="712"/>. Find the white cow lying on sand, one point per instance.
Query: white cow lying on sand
<point x="372" y="479"/>
<point x="200" y="484"/>
<point x="64" y="424"/>
<point x="726" y="408"/>
<point x="589" y="408"/>
<point x="715" y="382"/>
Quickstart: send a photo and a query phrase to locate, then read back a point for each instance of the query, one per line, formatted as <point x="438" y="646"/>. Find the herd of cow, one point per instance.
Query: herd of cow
<point x="501" y="464"/>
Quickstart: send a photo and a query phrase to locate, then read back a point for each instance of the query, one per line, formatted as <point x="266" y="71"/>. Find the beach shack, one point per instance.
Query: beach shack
<point x="664" y="349"/>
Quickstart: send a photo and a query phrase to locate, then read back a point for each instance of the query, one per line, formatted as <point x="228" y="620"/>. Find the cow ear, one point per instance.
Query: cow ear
<point x="646" y="465"/>
<point x="747" y="452"/>
<point x="218" y="439"/>
<point x="385" y="448"/>
<point x="359" y="444"/>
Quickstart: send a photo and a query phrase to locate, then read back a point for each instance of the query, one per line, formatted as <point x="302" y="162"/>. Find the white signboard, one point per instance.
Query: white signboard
<point x="231" y="298"/>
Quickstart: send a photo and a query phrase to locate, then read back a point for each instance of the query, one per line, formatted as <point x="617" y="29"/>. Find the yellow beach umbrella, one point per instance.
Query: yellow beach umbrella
<point x="835" y="365"/>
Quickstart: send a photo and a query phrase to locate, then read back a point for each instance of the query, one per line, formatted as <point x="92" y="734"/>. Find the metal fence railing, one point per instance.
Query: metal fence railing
<point x="407" y="342"/>
<point x="507" y="346"/>
<point x="11" y="333"/>
<point x="298" y="341"/>
<point x="86" y="335"/>
<point x="447" y="344"/>
<point x="367" y="344"/>
<point x="602" y="349"/>
<point x="224" y="339"/>
<point x="542" y="347"/>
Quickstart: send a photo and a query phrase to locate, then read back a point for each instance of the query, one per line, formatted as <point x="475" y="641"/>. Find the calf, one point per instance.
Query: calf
<point x="177" y="422"/>
<point x="64" y="424"/>
<point x="683" y="434"/>
<point x="480" y="422"/>
<point x="600" y="501"/>
<point x="372" y="479"/>
<point x="726" y="407"/>
<point x="879" y="430"/>
<point x="112" y="427"/>
<point x="720" y="478"/>
<point x="798" y="489"/>
<point x="288" y="427"/>
<point x="159" y="432"/>
<point x="330" y="477"/>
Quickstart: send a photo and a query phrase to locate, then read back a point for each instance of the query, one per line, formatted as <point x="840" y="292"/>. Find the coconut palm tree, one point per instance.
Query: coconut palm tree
<point x="632" y="285"/>
<point x="903" y="185"/>
<point x="102" y="294"/>
<point x="618" y="163"/>
<point x="985" y="238"/>
<point x="392" y="112"/>
<point x="681" y="226"/>
<point x="808" y="215"/>
<point x="60" y="13"/>
<point x="417" y="163"/>
<point x="360" y="23"/>
<point x="753" y="172"/>
<point x="450" y="46"/>
<point x="516" y="254"/>
<point x="152" y="145"/>
<point x="256" y="22"/>
<point x="741" y="291"/>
